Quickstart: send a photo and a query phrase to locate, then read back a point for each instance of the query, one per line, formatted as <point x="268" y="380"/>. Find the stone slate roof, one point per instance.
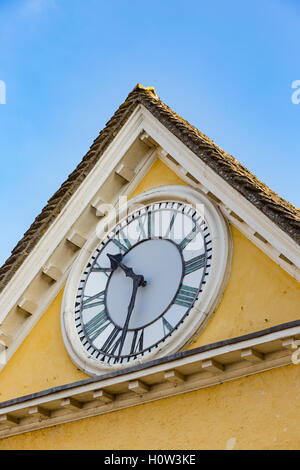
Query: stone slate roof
<point x="281" y="212"/>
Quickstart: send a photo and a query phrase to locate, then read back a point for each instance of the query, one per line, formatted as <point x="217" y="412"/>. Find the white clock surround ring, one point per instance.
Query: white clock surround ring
<point x="171" y="283"/>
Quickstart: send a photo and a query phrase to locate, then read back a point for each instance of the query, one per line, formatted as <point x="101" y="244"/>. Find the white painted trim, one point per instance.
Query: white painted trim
<point x="58" y="231"/>
<point x="246" y="229"/>
<point x="54" y="290"/>
<point x="70" y="213"/>
<point x="220" y="188"/>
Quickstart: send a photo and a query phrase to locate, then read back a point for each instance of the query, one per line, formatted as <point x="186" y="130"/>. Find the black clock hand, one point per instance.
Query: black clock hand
<point x="116" y="262"/>
<point x="137" y="282"/>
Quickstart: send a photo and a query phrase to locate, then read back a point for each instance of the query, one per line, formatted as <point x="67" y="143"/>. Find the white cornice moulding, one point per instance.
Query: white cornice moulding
<point x="76" y="239"/>
<point x="185" y="372"/>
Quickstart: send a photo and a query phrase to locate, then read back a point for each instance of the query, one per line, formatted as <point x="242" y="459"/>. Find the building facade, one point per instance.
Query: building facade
<point x="186" y="335"/>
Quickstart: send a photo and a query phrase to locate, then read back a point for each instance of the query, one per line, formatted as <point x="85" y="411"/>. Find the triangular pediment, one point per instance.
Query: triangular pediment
<point x="142" y="131"/>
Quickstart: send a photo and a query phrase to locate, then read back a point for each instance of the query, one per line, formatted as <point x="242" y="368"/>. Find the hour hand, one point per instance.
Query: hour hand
<point x="139" y="278"/>
<point x="115" y="260"/>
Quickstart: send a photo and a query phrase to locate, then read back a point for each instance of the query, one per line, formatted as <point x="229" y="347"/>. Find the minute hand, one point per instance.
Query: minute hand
<point x="137" y="281"/>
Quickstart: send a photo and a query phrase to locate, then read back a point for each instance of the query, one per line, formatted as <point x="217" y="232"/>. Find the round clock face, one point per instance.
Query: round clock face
<point x="141" y="283"/>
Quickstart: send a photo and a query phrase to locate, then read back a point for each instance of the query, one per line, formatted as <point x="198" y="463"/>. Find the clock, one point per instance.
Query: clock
<point x="140" y="291"/>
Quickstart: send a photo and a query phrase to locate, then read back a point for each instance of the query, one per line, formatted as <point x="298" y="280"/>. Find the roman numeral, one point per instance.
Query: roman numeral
<point x="186" y="296"/>
<point x="93" y="300"/>
<point x="96" y="325"/>
<point x="110" y="346"/>
<point x="97" y="269"/>
<point x="137" y="343"/>
<point x="119" y="241"/>
<point x="150" y="224"/>
<point x="166" y="326"/>
<point x="142" y="229"/>
<point x="194" y="264"/>
<point x="119" y="245"/>
<point x="171" y="224"/>
<point x="193" y="233"/>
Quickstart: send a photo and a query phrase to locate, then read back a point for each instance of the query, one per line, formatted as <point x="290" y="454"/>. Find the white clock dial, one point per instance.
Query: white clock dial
<point x="142" y="282"/>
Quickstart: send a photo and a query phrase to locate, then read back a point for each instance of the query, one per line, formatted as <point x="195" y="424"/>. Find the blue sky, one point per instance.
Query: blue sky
<point x="226" y="67"/>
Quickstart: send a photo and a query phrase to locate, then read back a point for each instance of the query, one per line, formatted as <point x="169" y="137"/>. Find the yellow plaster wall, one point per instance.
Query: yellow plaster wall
<point x="257" y="412"/>
<point x="158" y="175"/>
<point x="259" y="294"/>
